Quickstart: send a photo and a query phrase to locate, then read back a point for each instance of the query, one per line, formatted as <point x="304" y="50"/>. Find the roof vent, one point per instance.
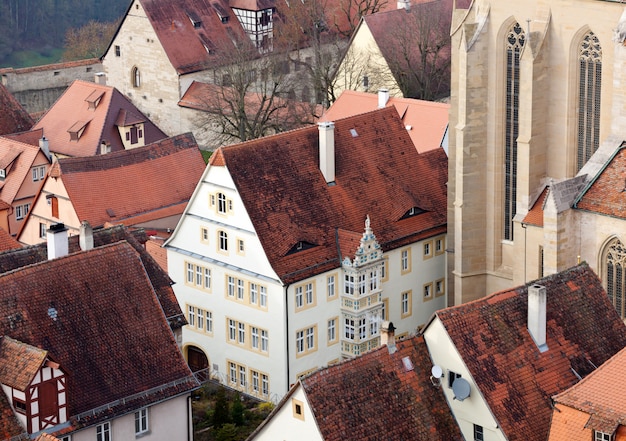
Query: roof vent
<point x="407" y="363"/>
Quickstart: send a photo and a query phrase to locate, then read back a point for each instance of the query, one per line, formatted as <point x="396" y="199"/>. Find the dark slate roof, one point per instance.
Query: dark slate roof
<point x="97" y="315"/>
<point x="13" y="117"/>
<point x="162" y="284"/>
<point x="378" y="173"/>
<point x="375" y="396"/>
<point x="125" y="184"/>
<point x="517" y="381"/>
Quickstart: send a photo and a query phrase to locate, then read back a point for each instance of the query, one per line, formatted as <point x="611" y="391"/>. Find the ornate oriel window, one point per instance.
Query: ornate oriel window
<point x="515" y="40"/>
<point x="614" y="265"/>
<point x="589" y="84"/>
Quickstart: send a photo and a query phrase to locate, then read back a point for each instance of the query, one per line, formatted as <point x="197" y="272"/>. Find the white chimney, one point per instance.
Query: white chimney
<point x="388" y="336"/>
<point x="537" y="301"/>
<point x="44" y="145"/>
<point x="57" y="241"/>
<point x="383" y="98"/>
<point x="101" y="78"/>
<point x="85" y="239"/>
<point x="327" y="150"/>
<point x="404" y="4"/>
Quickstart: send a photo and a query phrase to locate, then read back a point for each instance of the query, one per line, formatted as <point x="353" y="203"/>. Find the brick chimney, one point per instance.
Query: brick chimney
<point x="537" y="300"/>
<point x="85" y="239"/>
<point x="57" y="241"/>
<point x="327" y="150"/>
<point x="383" y="98"/>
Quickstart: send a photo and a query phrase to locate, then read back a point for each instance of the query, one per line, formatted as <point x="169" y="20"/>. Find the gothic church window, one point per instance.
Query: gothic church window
<point x="514" y="45"/>
<point x="614" y="265"/>
<point x="589" y="84"/>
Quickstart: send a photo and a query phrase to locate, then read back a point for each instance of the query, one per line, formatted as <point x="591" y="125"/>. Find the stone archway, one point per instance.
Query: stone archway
<point x="198" y="363"/>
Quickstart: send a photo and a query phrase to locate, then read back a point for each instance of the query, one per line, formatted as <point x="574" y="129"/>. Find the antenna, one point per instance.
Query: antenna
<point x="461" y="389"/>
<point x="436" y="375"/>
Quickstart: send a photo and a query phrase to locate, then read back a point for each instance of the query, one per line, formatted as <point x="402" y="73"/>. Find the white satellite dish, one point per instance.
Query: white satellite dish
<point x="436" y="371"/>
<point x="461" y="389"/>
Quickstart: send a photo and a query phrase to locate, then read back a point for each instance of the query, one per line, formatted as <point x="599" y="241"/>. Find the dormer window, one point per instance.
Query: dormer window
<point x="301" y="246"/>
<point x="195" y="20"/>
<point x="3" y="174"/>
<point x="77" y="129"/>
<point x="413" y="211"/>
<point x="94" y="99"/>
<point x="221" y="12"/>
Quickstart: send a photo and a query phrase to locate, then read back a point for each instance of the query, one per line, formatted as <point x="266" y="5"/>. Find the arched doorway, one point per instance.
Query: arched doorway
<point x="198" y="363"/>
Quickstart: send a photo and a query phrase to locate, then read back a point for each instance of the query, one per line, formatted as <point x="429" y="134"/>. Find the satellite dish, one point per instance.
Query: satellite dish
<point x="461" y="389"/>
<point x="436" y="371"/>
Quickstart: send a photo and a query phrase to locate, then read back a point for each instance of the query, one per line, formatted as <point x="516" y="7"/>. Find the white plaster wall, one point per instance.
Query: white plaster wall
<point x="472" y="410"/>
<point x="284" y="426"/>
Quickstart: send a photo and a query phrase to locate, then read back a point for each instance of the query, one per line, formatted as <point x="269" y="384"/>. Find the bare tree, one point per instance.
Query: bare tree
<point x="89" y="41"/>
<point x="417" y="50"/>
<point x="252" y="96"/>
<point x="351" y="11"/>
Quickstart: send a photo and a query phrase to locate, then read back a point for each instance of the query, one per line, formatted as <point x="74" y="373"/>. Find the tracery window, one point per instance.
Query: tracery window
<point x="589" y="84"/>
<point x="614" y="263"/>
<point x="514" y="44"/>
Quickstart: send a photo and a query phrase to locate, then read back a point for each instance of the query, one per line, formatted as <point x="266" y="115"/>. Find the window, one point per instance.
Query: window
<point x="306" y="340"/>
<point x="362" y="329"/>
<point x="103" y="432"/>
<point x="331" y="289"/>
<point x="428" y="249"/>
<point x="231" y="286"/>
<point x="209" y="322"/>
<point x="240" y="247"/>
<point x="118" y="51"/>
<point x="198" y="276"/>
<point x="141" y="421"/>
<point x="240" y="289"/>
<point x="237" y="374"/>
<point x="349" y="328"/>
<point x="428" y="291"/>
<point x="310" y="339"/>
<point x="384" y="273"/>
<point x="514" y="44"/>
<point x="349" y="284"/>
<point x="241" y="334"/>
<point x="43" y="230"/>
<point x="384" y="311"/>
<point x="207" y="278"/>
<point x="254" y="332"/>
<point x="254" y="375"/>
<point x="265" y="385"/>
<point x="19" y="405"/>
<point x="299" y="297"/>
<point x="254" y="293"/>
<point x="232" y="330"/>
<point x="221" y="203"/>
<point x="405" y="261"/>
<point x="298" y="409"/>
<point x="361" y="284"/>
<point x="374" y="281"/>
<point x="440" y="287"/>
<point x="200" y="318"/>
<point x="204" y="234"/>
<point x="263" y="297"/>
<point x="439" y="246"/>
<point x="191" y="315"/>
<point x="614" y="277"/>
<point x="190" y="273"/>
<point x="589" y="85"/>
<point x="21" y="211"/>
<point x="265" y="341"/>
<point x="374" y="321"/>
<point x="452" y="376"/>
<point x="406" y="304"/>
<point x="300" y="342"/>
<point x="136" y="77"/>
<point x="308" y="291"/>
<point x="38" y="173"/>
<point x="332" y="330"/>
<point x="478" y="433"/>
<point x="601" y="436"/>
<point x="223" y="240"/>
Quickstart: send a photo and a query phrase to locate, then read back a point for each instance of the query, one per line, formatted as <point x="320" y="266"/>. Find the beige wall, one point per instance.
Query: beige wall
<point x="481" y="261"/>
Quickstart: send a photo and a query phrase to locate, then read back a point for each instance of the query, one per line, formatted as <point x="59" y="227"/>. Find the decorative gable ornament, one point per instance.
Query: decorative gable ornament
<point x="368" y="251"/>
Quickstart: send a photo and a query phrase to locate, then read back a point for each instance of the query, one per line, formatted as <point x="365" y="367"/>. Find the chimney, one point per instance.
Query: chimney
<point x="57" y="241"/>
<point x="537" y="300"/>
<point x="388" y="336"/>
<point x="44" y="145"/>
<point x="404" y="4"/>
<point x="101" y="78"/>
<point x="85" y="239"/>
<point x="327" y="150"/>
<point x="383" y="98"/>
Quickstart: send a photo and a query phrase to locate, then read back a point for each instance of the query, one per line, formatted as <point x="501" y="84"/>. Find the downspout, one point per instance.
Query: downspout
<point x="189" y="438"/>
<point x="287" y="330"/>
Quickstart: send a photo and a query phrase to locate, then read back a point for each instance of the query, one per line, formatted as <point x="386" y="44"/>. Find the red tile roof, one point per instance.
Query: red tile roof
<point x="73" y="110"/>
<point x="10" y="426"/>
<point x="535" y="214"/>
<point x="606" y="193"/>
<point x="378" y="173"/>
<point x="426" y="121"/>
<point x="602" y="394"/>
<point x="19" y="363"/>
<point x="8" y="242"/>
<point x="375" y="396"/>
<point x="97" y="314"/>
<point x="516" y="380"/>
<point x="15" y="259"/>
<point x="17" y="159"/>
<point x="184" y="44"/>
<point x="13" y="118"/>
<point x="145" y="183"/>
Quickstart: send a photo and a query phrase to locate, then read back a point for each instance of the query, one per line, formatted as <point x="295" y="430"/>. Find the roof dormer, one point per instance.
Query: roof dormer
<point x="413" y="211"/>
<point x="301" y="246"/>
<point x="221" y="12"/>
<point x="77" y="129"/>
<point x="94" y="99"/>
<point x="195" y="19"/>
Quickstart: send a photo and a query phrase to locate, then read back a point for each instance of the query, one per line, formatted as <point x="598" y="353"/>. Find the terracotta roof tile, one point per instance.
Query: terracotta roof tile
<point x="14" y="259"/>
<point x="535" y="214"/>
<point x="375" y="394"/>
<point x="378" y="173"/>
<point x="13" y="118"/>
<point x="602" y="394"/>
<point x="73" y="110"/>
<point x="428" y="121"/>
<point x="145" y="183"/>
<point x="182" y="41"/>
<point x="108" y="332"/>
<point x="606" y="193"/>
<point x="17" y="159"/>
<point x="8" y="242"/>
<point x="19" y="363"/>
<point x="516" y="380"/>
<point x="10" y="426"/>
